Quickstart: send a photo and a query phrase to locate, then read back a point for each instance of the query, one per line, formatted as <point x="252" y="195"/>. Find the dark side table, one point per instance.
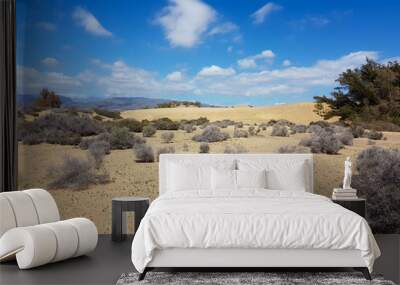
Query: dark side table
<point x="120" y="205"/>
<point x="357" y="205"/>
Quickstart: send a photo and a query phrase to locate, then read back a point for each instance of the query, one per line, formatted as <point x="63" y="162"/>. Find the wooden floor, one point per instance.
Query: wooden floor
<point x="103" y="266"/>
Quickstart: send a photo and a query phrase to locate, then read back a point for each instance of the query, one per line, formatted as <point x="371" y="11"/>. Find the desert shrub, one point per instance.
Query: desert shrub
<point x="144" y="153"/>
<point x="121" y="138"/>
<point x="58" y="128"/>
<point x="378" y="179"/>
<point x="32" y="138"/>
<point x="76" y="173"/>
<point x="293" y="149"/>
<point x="189" y="128"/>
<point x="235" y="149"/>
<point x="283" y="123"/>
<point x="299" y="129"/>
<point x="374" y="135"/>
<point x="253" y="131"/>
<point x="371" y="142"/>
<point x="314" y="129"/>
<point x="86" y="142"/>
<point x="239" y="133"/>
<point x="97" y="150"/>
<point x="224" y="123"/>
<point x="132" y="125"/>
<point x="322" y="124"/>
<point x="149" y="131"/>
<point x="185" y="147"/>
<point x="167" y="137"/>
<point x="107" y="113"/>
<point x="279" y="131"/>
<point x="357" y="131"/>
<point x="204" y="148"/>
<point x="345" y="137"/>
<point x="98" y="118"/>
<point x="211" y="134"/>
<point x="197" y="122"/>
<point x="381" y="126"/>
<point x="239" y="125"/>
<point x="323" y="141"/>
<point x="165" y="124"/>
<point x="168" y="149"/>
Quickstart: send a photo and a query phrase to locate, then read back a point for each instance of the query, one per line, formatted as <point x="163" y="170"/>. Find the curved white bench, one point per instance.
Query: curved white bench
<point x="31" y="230"/>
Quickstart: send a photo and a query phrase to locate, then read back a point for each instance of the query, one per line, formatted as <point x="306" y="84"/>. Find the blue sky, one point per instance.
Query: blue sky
<point x="218" y="52"/>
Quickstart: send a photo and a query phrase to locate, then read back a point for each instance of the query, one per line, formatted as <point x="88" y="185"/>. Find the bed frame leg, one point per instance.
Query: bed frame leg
<point x="364" y="271"/>
<point x="143" y="274"/>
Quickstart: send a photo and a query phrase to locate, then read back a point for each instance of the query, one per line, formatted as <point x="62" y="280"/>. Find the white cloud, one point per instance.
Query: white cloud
<point x="89" y="22"/>
<point x="223" y="28"/>
<point x="47" y="26"/>
<point x="31" y="81"/>
<point x="286" y="62"/>
<point x="247" y="63"/>
<point x="50" y="61"/>
<point x="120" y="79"/>
<point x="185" y="21"/>
<point x="215" y="70"/>
<point x="261" y="14"/>
<point x="250" y="62"/>
<point x="175" y="76"/>
<point x="229" y="49"/>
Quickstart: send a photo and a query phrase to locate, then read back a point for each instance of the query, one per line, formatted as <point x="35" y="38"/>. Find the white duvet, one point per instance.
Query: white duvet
<point x="250" y="219"/>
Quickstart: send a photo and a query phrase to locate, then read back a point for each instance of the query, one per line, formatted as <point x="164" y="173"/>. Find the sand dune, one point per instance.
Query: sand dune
<point x="301" y="113"/>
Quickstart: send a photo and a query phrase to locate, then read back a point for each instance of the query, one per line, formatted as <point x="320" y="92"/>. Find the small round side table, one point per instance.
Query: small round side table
<point x="139" y="205"/>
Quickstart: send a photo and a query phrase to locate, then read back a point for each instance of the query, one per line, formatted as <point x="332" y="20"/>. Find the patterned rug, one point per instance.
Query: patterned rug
<point x="243" y="278"/>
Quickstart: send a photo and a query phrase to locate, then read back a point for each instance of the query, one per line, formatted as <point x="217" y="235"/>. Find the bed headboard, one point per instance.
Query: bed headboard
<point x="165" y="159"/>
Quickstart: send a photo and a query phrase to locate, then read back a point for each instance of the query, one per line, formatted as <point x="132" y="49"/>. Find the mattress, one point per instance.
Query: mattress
<point x="250" y="219"/>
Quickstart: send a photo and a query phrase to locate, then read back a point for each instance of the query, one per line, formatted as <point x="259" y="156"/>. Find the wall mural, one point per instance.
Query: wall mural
<point x="104" y="87"/>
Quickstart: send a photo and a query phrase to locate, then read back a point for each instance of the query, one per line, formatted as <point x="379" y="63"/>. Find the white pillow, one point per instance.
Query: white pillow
<point x="251" y="178"/>
<point x="186" y="175"/>
<point x="223" y="179"/>
<point x="182" y="177"/>
<point x="282" y="174"/>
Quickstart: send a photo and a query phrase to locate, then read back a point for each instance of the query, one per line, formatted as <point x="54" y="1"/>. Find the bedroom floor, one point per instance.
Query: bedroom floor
<point x="103" y="266"/>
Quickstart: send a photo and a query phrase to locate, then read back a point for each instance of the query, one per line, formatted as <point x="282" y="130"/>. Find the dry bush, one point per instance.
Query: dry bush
<point x="357" y="131"/>
<point x="107" y="113"/>
<point x="189" y="128"/>
<point x="298" y="129"/>
<point x="149" y="131"/>
<point x="76" y="173"/>
<point x="168" y="149"/>
<point x="132" y="125"/>
<point x="167" y="137"/>
<point x="121" y="138"/>
<point x="211" y="134"/>
<point x="279" y="131"/>
<point x="253" y="131"/>
<point x="239" y="125"/>
<point x="97" y="150"/>
<point x="378" y="180"/>
<point x="324" y="141"/>
<point x="144" y="153"/>
<point x="239" y="133"/>
<point x="371" y="142"/>
<point x="293" y="149"/>
<point x="204" y="148"/>
<point x="345" y="137"/>
<point x="165" y="124"/>
<point x="235" y="149"/>
<point x="314" y="129"/>
<point x="374" y="135"/>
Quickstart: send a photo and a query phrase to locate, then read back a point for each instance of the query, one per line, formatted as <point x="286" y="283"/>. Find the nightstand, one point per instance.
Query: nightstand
<point x="357" y="205"/>
<point x="120" y="205"/>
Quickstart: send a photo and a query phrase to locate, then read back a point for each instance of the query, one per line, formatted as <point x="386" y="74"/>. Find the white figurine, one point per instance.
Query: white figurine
<point x="347" y="174"/>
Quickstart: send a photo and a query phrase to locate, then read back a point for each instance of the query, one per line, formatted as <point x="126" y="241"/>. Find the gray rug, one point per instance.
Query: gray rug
<point x="269" y="278"/>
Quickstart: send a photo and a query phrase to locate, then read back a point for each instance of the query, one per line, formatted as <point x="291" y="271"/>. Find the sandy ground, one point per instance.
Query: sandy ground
<point x="141" y="179"/>
<point x="301" y="113"/>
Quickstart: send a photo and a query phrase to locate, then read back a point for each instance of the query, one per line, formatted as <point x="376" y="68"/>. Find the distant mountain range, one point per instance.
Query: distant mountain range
<point x="114" y="103"/>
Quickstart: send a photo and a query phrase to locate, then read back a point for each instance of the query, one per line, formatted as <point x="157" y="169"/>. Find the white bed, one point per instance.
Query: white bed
<point x="248" y="227"/>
